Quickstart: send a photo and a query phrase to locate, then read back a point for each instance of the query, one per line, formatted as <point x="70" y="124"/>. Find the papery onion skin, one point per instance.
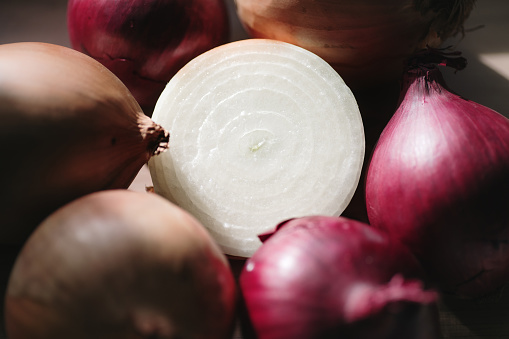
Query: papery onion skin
<point x="367" y="42"/>
<point x="439" y="181"/>
<point x="68" y="127"/>
<point x="146" y="42"/>
<point x="333" y="277"/>
<point x="120" y="264"/>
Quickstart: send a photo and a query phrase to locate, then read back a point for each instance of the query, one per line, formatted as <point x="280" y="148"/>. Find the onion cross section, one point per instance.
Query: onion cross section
<point x="262" y="131"/>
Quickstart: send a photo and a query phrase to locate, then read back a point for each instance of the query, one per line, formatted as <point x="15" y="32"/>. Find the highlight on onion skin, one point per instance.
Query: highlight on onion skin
<point x="120" y="264"/>
<point x="68" y="127"/>
<point x="146" y="42"/>
<point x="333" y="277"/>
<point x="368" y="41"/>
<point x="438" y="181"/>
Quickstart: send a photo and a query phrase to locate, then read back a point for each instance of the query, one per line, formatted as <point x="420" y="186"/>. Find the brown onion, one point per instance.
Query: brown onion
<point x="366" y="41"/>
<point x="68" y="127"/>
<point x="120" y="264"/>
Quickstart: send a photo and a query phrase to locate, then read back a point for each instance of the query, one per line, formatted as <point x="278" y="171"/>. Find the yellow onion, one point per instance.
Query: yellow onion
<point x="366" y="41"/>
<point x="68" y="127"/>
<point x="120" y="264"/>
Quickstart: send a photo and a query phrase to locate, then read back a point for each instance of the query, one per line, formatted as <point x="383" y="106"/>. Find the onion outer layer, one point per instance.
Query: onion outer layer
<point x="120" y="264"/>
<point x="327" y="277"/>
<point x="145" y="42"/>
<point x="367" y="41"/>
<point x="262" y="131"/>
<point x="68" y="127"/>
<point x="439" y="181"/>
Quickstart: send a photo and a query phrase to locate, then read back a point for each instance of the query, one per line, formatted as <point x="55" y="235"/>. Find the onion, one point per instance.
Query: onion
<point x="68" y="127"/>
<point x="145" y="42"/>
<point x="366" y="41"/>
<point x="439" y="181"/>
<point x="327" y="277"/>
<point x="262" y="131"/>
<point x="120" y="264"/>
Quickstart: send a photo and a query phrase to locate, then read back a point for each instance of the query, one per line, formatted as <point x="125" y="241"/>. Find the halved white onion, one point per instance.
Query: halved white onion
<point x="260" y="131"/>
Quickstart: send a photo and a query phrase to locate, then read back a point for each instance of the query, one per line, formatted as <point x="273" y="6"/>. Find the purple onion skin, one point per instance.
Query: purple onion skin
<point x="327" y="277"/>
<point x="145" y="42"/>
<point x="438" y="181"/>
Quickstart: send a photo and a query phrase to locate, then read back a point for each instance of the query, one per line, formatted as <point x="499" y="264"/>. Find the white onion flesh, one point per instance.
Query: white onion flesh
<point x="261" y="131"/>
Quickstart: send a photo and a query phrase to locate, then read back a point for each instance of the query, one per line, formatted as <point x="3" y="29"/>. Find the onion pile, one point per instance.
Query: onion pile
<point x="120" y="264"/>
<point x="328" y="277"/>
<point x="262" y="131"/>
<point x="366" y="41"/>
<point x="145" y="42"/>
<point x="68" y="127"/>
<point x="439" y="181"/>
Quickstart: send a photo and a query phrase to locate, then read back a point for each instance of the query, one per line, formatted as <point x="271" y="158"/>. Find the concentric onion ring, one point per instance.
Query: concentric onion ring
<point x="262" y="131"/>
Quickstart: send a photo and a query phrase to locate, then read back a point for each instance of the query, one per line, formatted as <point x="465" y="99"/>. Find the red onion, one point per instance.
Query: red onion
<point x="333" y="277"/>
<point x="439" y="182"/>
<point x="366" y="41"/>
<point x="145" y="42"/>
<point x="120" y="264"/>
